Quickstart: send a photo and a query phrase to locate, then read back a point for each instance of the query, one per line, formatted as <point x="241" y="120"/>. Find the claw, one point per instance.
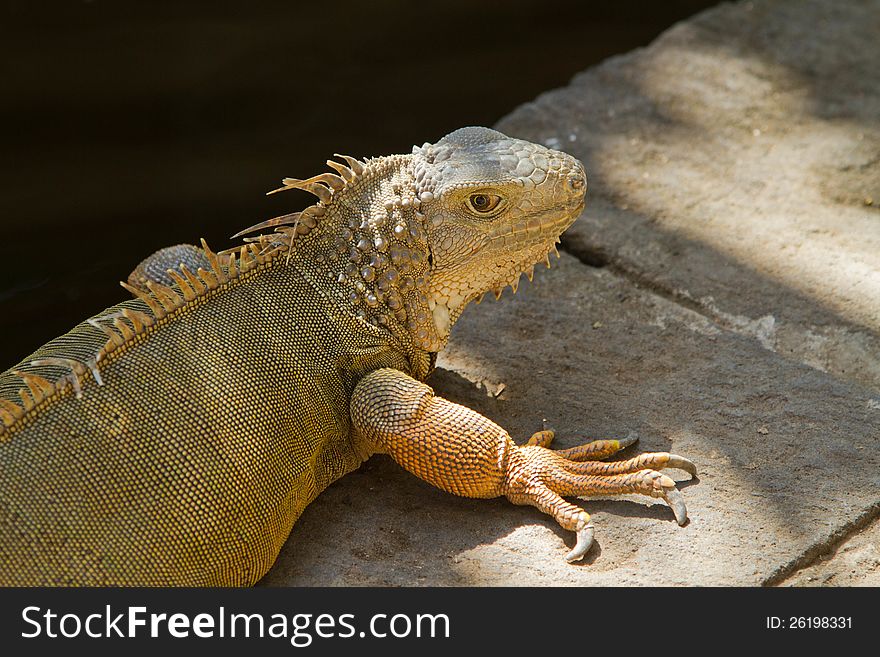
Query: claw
<point x="681" y="463"/>
<point x="583" y="545"/>
<point x="631" y="439"/>
<point x="675" y="500"/>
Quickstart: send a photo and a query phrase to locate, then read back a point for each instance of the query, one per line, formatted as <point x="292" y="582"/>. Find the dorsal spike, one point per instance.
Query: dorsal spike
<point x="9" y="412"/>
<point x="12" y="408"/>
<point x="284" y="186"/>
<point x="289" y="233"/>
<point x="311" y="185"/>
<point x="323" y="193"/>
<point x="269" y="244"/>
<point x="335" y="182"/>
<point x="93" y="368"/>
<point x="356" y="165"/>
<point x="346" y="173"/>
<point x="147" y="298"/>
<point x="165" y="295"/>
<point x="207" y="249"/>
<point x="39" y="387"/>
<point x="122" y="327"/>
<point x="114" y="338"/>
<point x="139" y="320"/>
<point x="197" y="285"/>
<point x="77" y="371"/>
<point x="232" y="269"/>
<point x="284" y="220"/>
<point x="307" y="220"/>
<point x="245" y="261"/>
<point x="73" y="365"/>
<point x="188" y="293"/>
<point x="26" y="400"/>
<point x="208" y="278"/>
<point x="216" y="266"/>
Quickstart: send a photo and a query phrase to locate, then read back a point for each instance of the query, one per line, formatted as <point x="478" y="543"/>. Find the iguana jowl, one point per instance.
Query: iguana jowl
<point x="176" y="437"/>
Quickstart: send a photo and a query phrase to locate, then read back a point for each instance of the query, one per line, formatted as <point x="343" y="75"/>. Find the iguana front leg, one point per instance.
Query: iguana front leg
<point x="465" y="453"/>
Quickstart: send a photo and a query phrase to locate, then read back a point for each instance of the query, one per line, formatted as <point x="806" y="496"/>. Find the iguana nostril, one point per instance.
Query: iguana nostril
<point x="577" y="182"/>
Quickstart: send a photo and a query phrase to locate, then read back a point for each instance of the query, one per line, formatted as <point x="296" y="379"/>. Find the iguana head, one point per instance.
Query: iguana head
<point x="494" y="207"/>
<point x="405" y="242"/>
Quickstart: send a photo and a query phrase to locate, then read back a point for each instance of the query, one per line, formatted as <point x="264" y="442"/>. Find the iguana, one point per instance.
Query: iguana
<point x="175" y="438"/>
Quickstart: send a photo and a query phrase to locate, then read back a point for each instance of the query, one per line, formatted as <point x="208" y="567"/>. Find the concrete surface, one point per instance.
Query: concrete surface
<point x="720" y="296"/>
<point x="855" y="562"/>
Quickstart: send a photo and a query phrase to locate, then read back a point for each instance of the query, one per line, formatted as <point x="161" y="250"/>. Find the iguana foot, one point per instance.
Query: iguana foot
<point x="541" y="477"/>
<point x="465" y="453"/>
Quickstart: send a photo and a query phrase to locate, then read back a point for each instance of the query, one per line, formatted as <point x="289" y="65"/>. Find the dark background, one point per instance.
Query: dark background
<point x="128" y="126"/>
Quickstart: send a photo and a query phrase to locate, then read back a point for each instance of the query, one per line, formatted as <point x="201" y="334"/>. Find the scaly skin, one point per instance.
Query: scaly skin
<point x="175" y="438"/>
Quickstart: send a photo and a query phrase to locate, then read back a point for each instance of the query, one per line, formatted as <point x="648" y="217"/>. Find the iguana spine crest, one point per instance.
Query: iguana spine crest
<point x="162" y="304"/>
<point x="163" y="301"/>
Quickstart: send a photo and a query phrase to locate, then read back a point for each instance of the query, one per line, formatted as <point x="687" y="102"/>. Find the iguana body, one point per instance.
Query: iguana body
<point x="176" y="437"/>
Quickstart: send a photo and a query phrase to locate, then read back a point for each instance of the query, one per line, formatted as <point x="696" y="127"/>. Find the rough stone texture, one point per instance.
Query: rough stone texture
<point x="855" y="563"/>
<point x="735" y="166"/>
<point x="735" y="319"/>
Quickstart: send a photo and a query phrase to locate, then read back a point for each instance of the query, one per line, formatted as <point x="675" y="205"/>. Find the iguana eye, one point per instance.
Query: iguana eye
<point x="483" y="203"/>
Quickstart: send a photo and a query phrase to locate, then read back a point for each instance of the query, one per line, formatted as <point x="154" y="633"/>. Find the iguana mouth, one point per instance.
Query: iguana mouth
<point x="536" y="229"/>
